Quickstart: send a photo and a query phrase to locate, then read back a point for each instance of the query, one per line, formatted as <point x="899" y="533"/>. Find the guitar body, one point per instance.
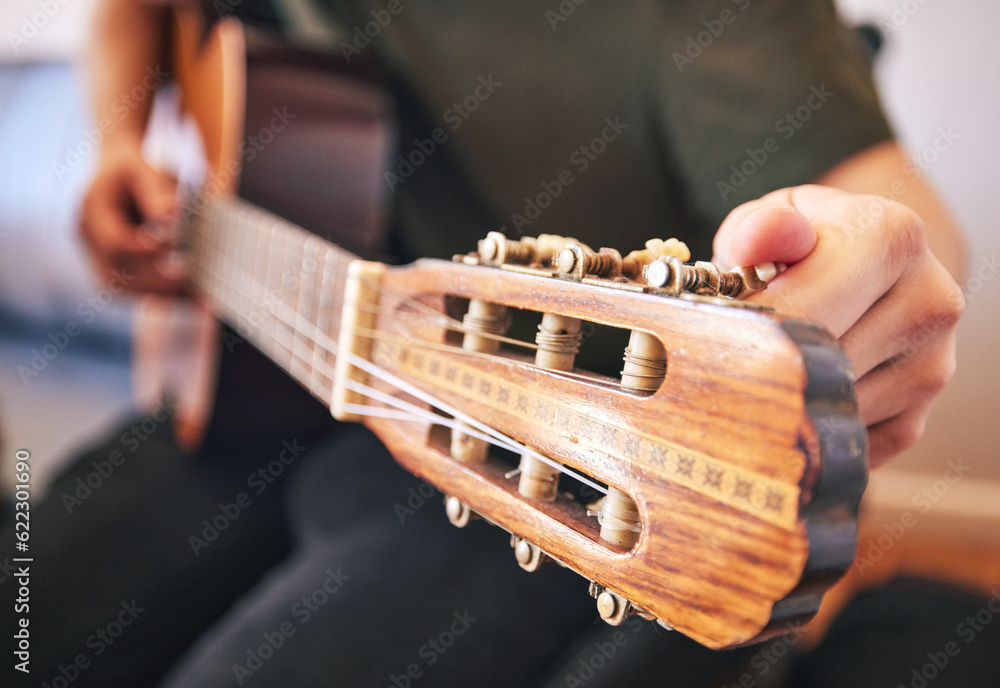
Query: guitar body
<point x="743" y="464"/>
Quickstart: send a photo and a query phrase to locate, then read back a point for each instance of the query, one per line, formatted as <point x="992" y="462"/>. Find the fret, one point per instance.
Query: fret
<point x="243" y="301"/>
<point x="268" y="323"/>
<point x="341" y="259"/>
<point x="292" y="279"/>
<point x="335" y="280"/>
<point x="224" y="267"/>
<point x="286" y="323"/>
<point x="228" y="272"/>
<point x="230" y="276"/>
<point x="214" y="258"/>
<point x="308" y="309"/>
<point x="198" y="238"/>
<point x="234" y="277"/>
<point x="275" y="248"/>
<point x="221" y="267"/>
<point x="285" y="330"/>
<point x="258" y="268"/>
<point x="210" y="253"/>
<point x="329" y="290"/>
<point x="278" y="284"/>
<point x="241" y="309"/>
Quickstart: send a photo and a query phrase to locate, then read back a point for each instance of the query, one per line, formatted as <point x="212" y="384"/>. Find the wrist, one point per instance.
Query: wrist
<point x="119" y="146"/>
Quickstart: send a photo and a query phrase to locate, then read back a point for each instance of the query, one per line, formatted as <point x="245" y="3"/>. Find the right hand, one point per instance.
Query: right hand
<point x="127" y="222"/>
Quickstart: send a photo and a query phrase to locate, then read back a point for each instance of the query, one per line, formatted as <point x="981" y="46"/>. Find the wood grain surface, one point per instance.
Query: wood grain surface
<point x="746" y="465"/>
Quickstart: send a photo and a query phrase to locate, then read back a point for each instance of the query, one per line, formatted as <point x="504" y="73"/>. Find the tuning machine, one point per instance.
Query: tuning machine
<point x="707" y="279"/>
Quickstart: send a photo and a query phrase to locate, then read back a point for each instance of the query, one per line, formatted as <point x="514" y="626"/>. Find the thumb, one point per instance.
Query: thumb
<point x="778" y="234"/>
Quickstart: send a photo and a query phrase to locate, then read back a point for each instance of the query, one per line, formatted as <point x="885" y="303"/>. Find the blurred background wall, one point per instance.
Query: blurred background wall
<point x="57" y="390"/>
<point x="938" y="73"/>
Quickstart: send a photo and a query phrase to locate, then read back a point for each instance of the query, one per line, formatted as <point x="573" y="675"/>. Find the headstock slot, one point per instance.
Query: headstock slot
<point x="600" y="357"/>
<point x="568" y="508"/>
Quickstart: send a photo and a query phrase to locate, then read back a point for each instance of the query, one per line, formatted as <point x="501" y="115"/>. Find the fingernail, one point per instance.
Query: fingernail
<point x="769" y="210"/>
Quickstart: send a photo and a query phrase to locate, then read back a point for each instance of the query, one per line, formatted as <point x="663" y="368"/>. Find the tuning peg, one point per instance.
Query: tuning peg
<point x="635" y="262"/>
<point x="756" y="278"/>
<point x="578" y="260"/>
<point x="497" y="249"/>
<point x="705" y="278"/>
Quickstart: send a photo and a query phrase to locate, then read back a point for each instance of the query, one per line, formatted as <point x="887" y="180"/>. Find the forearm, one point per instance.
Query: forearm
<point x="887" y="171"/>
<point x="127" y="61"/>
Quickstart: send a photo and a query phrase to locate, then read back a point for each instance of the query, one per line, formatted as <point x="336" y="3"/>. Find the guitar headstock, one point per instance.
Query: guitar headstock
<point x="729" y="448"/>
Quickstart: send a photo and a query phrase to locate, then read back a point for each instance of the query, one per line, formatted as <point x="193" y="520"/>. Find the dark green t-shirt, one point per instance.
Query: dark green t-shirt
<point x="613" y="121"/>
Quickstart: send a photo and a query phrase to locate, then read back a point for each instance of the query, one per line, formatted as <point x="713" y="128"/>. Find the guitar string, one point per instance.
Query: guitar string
<point x="323" y="394"/>
<point x="388" y="313"/>
<point x="410" y="339"/>
<point x="497" y="438"/>
<point x="407" y="338"/>
<point x="443" y="319"/>
<point x="415" y="410"/>
<point x="425" y="396"/>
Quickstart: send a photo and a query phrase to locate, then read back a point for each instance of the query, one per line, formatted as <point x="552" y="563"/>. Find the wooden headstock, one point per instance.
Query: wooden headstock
<point x="734" y="465"/>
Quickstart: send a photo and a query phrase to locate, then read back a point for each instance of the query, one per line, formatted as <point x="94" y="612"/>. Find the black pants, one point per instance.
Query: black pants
<point x="309" y="572"/>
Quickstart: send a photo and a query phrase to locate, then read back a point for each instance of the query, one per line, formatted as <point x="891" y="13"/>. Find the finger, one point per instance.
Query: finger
<point x="110" y="232"/>
<point x="852" y="265"/>
<point x="778" y="234"/>
<point x="896" y="434"/>
<point x="141" y="275"/>
<point x="906" y="381"/>
<point x="898" y="325"/>
<point x="722" y="243"/>
<point x="155" y="194"/>
<point x="122" y="254"/>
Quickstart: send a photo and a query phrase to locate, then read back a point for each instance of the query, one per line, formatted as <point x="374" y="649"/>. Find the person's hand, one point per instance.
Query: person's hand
<point x="127" y="222"/>
<point x="872" y="281"/>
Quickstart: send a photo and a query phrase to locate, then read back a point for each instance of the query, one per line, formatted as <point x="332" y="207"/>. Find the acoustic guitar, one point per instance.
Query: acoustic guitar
<point x="728" y="457"/>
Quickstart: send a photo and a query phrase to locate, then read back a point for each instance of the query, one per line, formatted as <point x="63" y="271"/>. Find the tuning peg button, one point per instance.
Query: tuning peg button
<point x="458" y="511"/>
<point x="612" y="607"/>
<point x="529" y="557"/>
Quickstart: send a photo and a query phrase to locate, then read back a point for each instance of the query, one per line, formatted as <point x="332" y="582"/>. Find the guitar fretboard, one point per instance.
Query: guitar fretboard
<point x="278" y="285"/>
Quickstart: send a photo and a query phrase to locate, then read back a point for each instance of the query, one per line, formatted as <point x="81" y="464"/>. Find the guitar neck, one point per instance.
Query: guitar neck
<point x="278" y="285"/>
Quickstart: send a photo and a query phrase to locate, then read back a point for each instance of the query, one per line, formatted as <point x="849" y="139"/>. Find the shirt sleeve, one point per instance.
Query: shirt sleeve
<point x="757" y="95"/>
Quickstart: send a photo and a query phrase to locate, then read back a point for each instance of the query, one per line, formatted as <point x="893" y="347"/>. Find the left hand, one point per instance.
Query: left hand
<point x="872" y="281"/>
